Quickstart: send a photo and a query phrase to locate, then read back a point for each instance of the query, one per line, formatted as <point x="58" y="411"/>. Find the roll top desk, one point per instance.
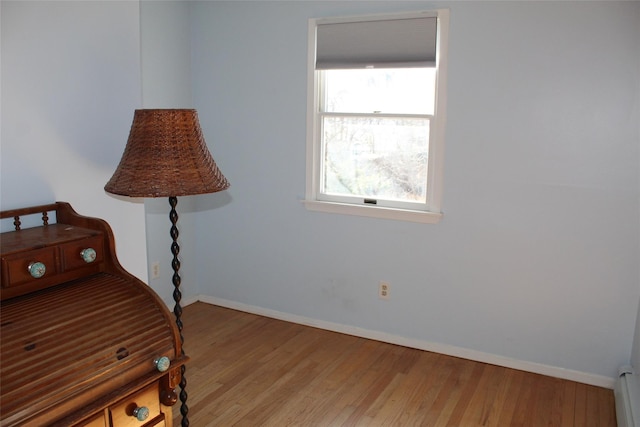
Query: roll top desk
<point x="82" y="341"/>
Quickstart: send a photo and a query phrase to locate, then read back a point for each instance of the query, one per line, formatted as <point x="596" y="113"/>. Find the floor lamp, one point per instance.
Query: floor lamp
<point x="166" y="156"/>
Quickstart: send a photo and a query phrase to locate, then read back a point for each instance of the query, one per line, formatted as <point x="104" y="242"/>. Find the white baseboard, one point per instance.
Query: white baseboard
<point x="578" y="376"/>
<point x="627" y="398"/>
<point x="190" y="300"/>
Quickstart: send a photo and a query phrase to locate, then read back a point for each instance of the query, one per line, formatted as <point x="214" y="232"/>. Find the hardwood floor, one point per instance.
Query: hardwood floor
<point x="248" y="370"/>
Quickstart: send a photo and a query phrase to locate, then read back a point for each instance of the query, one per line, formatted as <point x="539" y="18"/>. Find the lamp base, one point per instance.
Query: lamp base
<point x="177" y="297"/>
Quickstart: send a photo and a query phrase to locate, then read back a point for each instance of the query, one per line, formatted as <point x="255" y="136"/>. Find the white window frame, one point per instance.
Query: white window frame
<point x="313" y="201"/>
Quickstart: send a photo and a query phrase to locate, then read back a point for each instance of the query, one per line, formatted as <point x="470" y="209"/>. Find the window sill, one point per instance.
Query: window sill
<point x="374" y="212"/>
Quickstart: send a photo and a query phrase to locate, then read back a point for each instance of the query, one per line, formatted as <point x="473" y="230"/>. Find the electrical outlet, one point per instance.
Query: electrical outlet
<point x="383" y="290"/>
<point x="155" y="270"/>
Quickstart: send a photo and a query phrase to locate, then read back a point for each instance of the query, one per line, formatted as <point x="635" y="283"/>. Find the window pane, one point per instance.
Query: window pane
<point x="390" y="91"/>
<point x="376" y="157"/>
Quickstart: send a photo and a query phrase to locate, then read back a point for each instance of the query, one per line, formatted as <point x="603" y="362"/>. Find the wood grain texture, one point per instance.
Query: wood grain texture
<point x="249" y="370"/>
<point x="84" y="336"/>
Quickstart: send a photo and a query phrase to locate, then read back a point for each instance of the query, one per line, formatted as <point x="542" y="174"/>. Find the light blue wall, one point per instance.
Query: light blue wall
<point x="536" y="258"/>
<point x="70" y="79"/>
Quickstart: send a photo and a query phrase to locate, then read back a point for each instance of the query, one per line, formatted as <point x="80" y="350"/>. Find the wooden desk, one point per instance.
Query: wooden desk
<point x="82" y="341"/>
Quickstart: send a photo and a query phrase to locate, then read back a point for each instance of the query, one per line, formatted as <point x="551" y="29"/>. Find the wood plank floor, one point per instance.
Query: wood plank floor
<point x="248" y="370"/>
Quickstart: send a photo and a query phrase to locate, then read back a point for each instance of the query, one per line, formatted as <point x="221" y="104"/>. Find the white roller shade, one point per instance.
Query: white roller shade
<point x="397" y="42"/>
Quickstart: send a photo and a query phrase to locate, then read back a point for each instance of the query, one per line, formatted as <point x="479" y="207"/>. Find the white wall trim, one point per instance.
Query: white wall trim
<point x="194" y="298"/>
<point x="424" y="217"/>
<point x="478" y="356"/>
<point x="627" y="398"/>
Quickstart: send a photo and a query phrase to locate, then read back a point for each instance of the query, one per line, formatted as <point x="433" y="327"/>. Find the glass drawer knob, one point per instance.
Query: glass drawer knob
<point x="88" y="255"/>
<point x="162" y="363"/>
<point x="141" y="413"/>
<point x="37" y="269"/>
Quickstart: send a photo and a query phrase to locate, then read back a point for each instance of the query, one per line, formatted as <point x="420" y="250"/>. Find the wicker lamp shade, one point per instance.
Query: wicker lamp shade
<point x="166" y="156"/>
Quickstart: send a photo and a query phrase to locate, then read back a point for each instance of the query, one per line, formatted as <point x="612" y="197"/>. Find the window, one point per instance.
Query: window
<point x="376" y="115"/>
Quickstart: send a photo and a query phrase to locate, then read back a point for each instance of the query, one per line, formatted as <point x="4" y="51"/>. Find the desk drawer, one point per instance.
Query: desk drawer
<point x="17" y="266"/>
<point x="122" y="414"/>
<point x="80" y="253"/>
